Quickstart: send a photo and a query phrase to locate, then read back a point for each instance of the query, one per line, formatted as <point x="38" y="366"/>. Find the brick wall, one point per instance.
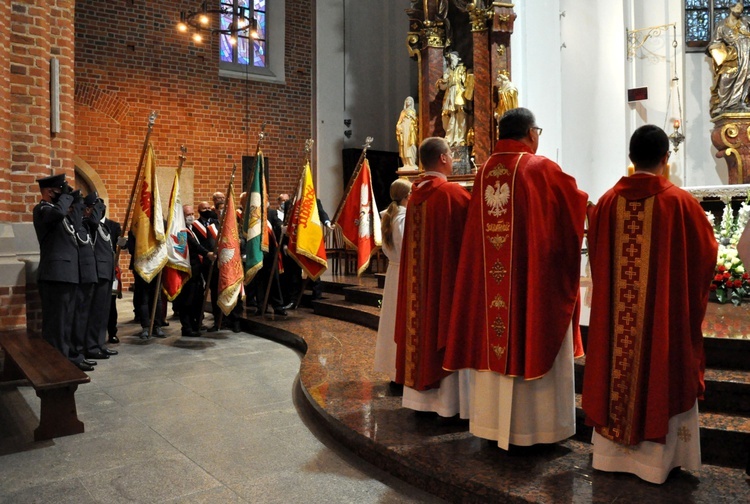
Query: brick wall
<point x="40" y="30"/>
<point x="5" y="114"/>
<point x="130" y="60"/>
<point x="37" y="31"/>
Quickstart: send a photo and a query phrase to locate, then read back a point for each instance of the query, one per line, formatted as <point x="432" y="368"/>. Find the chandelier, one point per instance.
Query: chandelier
<point x="232" y="21"/>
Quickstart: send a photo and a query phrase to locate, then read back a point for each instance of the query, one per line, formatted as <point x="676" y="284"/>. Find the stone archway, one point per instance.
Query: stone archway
<point x="88" y="180"/>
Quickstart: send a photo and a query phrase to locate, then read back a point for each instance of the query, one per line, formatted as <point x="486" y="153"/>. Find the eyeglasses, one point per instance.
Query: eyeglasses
<point x="538" y="129"/>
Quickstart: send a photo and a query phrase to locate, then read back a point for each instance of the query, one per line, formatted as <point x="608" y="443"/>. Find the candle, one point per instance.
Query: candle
<point x="676" y="124"/>
<point x="631" y="170"/>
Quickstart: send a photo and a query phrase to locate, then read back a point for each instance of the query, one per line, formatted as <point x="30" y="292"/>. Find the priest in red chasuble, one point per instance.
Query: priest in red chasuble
<point x="514" y="320"/>
<point x="652" y="253"/>
<point x="435" y="218"/>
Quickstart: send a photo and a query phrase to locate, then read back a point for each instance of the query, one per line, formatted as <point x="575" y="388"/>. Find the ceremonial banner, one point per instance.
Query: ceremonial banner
<point x="177" y="271"/>
<point x="306" y="241"/>
<point x="254" y="224"/>
<point x="229" y="259"/>
<point x="150" y="241"/>
<point x="360" y="220"/>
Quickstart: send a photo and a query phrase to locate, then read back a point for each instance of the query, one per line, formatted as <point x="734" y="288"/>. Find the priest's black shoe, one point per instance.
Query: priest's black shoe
<point x="84" y="367"/>
<point x="90" y="362"/>
<point x="114" y="340"/>
<point x="287" y="306"/>
<point x="96" y="355"/>
<point x="109" y="352"/>
<point x="280" y="312"/>
<point x="236" y="327"/>
<point x="188" y="332"/>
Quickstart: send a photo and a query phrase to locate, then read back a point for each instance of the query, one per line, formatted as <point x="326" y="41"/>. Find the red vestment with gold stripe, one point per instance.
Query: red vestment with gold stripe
<point x="435" y="219"/>
<point x="518" y="276"/>
<point x="653" y="254"/>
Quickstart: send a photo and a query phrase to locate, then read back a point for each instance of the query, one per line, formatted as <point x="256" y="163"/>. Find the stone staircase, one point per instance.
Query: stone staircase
<point x="724" y="414"/>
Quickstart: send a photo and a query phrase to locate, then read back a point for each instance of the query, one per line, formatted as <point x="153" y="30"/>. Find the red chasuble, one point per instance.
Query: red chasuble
<point x="435" y="218"/>
<point x="652" y="254"/>
<point x="519" y="271"/>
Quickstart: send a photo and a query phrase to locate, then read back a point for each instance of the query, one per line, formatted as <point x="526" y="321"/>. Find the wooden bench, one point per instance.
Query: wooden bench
<point x="54" y="378"/>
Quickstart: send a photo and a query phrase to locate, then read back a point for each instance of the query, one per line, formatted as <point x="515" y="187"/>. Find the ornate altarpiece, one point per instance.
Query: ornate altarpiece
<point x="480" y="33"/>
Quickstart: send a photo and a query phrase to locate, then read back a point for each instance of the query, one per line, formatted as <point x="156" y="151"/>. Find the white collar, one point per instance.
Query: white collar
<point x="434" y="174"/>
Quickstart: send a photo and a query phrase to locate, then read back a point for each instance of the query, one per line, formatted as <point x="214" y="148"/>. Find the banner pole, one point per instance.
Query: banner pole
<point x="357" y="169"/>
<point x="136" y="184"/>
<point x="207" y="288"/>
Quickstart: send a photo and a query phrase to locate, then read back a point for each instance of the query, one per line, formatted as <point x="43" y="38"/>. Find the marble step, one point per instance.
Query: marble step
<point x="727" y="353"/>
<point x="381" y="280"/>
<point x="725" y="438"/>
<point x="368" y="296"/>
<point x="337" y="307"/>
<point x="727" y="391"/>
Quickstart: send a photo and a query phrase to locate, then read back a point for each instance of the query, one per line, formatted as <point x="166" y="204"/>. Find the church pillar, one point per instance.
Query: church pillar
<point x="502" y="28"/>
<point x="426" y="42"/>
<point x="483" y="106"/>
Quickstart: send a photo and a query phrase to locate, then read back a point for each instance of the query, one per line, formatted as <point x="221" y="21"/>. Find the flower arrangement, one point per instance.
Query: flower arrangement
<point x="731" y="283"/>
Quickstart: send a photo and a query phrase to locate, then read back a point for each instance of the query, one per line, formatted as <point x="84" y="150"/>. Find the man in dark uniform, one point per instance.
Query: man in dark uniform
<point x="317" y="285"/>
<point x="101" y="240"/>
<point x="190" y="298"/>
<point x="116" y="238"/>
<point x="58" y="274"/>
<point x="267" y="273"/>
<point x="206" y="229"/>
<point x="291" y="279"/>
<point x="143" y="298"/>
<point x="87" y="279"/>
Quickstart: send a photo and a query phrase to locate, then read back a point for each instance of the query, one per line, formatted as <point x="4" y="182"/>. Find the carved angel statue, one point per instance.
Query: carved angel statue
<point x="458" y="88"/>
<point x="507" y="96"/>
<point x="407" y="131"/>
<point x="730" y="52"/>
<point x="496" y="198"/>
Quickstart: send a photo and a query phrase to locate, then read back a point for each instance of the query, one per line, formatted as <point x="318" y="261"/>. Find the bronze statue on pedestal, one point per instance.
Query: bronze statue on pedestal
<point x="730" y="108"/>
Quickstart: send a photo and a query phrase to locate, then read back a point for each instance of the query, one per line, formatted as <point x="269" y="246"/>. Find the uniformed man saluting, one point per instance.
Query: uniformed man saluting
<point x="58" y="274"/>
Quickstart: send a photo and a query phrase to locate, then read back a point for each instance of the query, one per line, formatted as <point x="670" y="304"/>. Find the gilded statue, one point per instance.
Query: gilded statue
<point x="407" y="134"/>
<point x="507" y="96"/>
<point x="458" y="86"/>
<point x="730" y="51"/>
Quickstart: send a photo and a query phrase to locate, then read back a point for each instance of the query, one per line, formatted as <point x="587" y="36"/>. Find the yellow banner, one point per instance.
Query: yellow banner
<point x="150" y="241"/>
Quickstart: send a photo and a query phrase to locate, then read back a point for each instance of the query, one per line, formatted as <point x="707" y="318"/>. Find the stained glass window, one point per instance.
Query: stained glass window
<point x="701" y="19"/>
<point x="245" y="49"/>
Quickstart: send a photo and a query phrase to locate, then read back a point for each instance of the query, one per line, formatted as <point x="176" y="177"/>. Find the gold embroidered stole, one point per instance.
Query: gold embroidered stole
<point x="498" y="190"/>
<point x="415" y="269"/>
<point x="630" y="273"/>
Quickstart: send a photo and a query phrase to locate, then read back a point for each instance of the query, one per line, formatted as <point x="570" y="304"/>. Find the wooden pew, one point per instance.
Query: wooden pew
<point x="52" y="375"/>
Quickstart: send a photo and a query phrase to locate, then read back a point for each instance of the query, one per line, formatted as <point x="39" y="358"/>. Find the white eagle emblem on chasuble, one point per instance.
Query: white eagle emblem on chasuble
<point x="496" y="198"/>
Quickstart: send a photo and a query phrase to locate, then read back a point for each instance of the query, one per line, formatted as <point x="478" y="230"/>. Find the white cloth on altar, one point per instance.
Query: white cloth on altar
<point x="451" y="399"/>
<point x="653" y="461"/>
<point x="511" y="410"/>
<point x="385" y="346"/>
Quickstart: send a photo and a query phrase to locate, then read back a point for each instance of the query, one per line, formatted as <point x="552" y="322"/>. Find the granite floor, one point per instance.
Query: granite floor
<point x="360" y="410"/>
<point x="205" y="420"/>
<point x="245" y="418"/>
